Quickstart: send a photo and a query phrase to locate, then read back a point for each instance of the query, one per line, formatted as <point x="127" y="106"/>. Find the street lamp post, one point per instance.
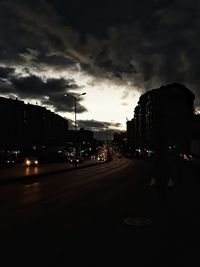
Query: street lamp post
<point x="75" y="125"/>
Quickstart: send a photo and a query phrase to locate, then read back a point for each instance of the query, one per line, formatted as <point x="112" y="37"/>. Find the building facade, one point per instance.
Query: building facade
<point x="130" y="129"/>
<point x="26" y="124"/>
<point x="163" y="118"/>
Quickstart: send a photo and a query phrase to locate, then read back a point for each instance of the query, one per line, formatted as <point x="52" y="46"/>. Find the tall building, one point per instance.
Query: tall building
<point x="195" y="129"/>
<point x="163" y="118"/>
<point x="12" y="115"/>
<point x="26" y="124"/>
<point x="130" y="129"/>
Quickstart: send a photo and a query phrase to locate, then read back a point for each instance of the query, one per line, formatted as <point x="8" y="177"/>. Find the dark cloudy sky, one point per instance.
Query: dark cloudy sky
<point x="112" y="50"/>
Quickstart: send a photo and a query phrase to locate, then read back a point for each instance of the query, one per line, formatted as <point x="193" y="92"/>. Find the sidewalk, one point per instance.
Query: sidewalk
<point x="177" y="222"/>
<point x="172" y="237"/>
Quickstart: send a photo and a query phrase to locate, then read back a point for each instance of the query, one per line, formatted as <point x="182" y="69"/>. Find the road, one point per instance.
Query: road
<point x="19" y="171"/>
<point x="38" y="199"/>
<point x="65" y="218"/>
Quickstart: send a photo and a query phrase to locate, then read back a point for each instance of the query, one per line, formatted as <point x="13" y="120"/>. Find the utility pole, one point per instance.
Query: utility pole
<point x="75" y="125"/>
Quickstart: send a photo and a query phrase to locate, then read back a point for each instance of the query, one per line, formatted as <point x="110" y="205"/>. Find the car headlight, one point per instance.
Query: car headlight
<point x="28" y="162"/>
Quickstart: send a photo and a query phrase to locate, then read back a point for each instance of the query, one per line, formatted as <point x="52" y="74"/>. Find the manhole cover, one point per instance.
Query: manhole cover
<point x="137" y="221"/>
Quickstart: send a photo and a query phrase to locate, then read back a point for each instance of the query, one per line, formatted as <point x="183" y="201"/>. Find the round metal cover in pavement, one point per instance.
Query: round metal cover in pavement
<point x="137" y="221"/>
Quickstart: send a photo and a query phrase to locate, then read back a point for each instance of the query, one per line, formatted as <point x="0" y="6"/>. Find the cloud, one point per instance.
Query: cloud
<point x="33" y="27"/>
<point x="145" y="47"/>
<point x="50" y="91"/>
<point x="102" y="130"/>
<point x="63" y="104"/>
<point x="6" y="72"/>
<point x="97" y="125"/>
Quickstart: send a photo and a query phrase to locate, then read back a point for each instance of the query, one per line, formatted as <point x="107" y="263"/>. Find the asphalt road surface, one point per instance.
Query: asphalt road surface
<point x="48" y="197"/>
<point x="77" y="219"/>
<point x="18" y="171"/>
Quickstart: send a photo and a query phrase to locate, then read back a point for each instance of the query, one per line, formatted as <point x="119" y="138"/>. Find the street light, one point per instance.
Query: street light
<point x="75" y="126"/>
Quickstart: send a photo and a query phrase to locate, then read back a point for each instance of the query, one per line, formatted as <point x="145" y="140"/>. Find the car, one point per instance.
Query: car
<point x="30" y="161"/>
<point x="185" y="157"/>
<point x="7" y="162"/>
<point x="76" y="160"/>
<point x="101" y="158"/>
<point x="10" y="161"/>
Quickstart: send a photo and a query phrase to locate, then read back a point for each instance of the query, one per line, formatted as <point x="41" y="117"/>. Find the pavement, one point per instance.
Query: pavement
<point x="176" y="220"/>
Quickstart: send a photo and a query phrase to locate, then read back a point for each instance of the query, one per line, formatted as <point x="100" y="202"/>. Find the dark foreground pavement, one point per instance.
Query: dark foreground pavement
<point x="97" y="236"/>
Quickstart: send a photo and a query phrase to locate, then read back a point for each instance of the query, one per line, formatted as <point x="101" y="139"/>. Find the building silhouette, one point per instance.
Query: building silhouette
<point x="163" y="118"/>
<point x="81" y="136"/>
<point x="120" y="141"/>
<point x="195" y="129"/>
<point x="130" y="136"/>
<point x="26" y="125"/>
